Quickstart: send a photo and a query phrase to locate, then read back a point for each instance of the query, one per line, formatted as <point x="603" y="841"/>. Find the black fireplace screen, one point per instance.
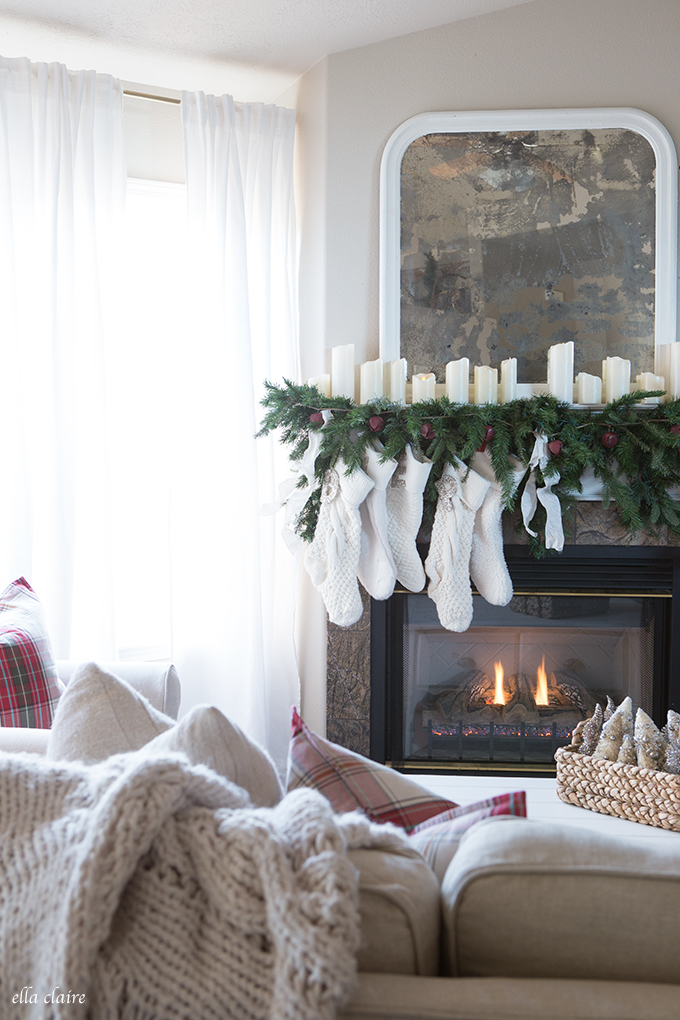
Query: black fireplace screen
<point x="508" y="691"/>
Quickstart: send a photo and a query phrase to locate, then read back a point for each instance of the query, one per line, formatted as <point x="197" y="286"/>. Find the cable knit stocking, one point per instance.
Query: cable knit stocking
<point x="448" y="561"/>
<point x="377" y="571"/>
<point x="404" y="498"/>
<point x="488" y="568"/>
<point x="332" y="557"/>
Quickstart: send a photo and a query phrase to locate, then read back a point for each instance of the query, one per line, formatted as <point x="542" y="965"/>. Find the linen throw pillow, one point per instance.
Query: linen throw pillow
<point x="208" y="738"/>
<point x="437" y="839"/>
<point x="29" y="685"/>
<point x="350" y="781"/>
<point x="99" y="715"/>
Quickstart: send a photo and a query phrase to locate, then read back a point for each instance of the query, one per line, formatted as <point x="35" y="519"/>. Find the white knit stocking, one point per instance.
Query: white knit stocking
<point x="448" y="561"/>
<point x="404" y="498"/>
<point x="377" y="571"/>
<point x="332" y="557"/>
<point x="488" y="568"/>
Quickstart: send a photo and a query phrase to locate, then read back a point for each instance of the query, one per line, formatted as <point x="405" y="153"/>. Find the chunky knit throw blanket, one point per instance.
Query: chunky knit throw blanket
<point x="146" y="888"/>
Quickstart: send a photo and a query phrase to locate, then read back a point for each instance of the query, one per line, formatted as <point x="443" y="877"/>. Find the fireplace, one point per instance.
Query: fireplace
<point x="503" y="695"/>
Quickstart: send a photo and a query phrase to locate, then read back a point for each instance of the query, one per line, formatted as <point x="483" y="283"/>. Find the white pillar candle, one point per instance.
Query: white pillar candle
<point x="371" y="381"/>
<point x="561" y="371"/>
<point x="423" y="387"/>
<point x="617" y="382"/>
<point x="486" y="385"/>
<point x="508" y="380"/>
<point x="650" y="381"/>
<point x="387" y="378"/>
<point x="322" y="383"/>
<point x="589" y="388"/>
<point x="458" y="381"/>
<point x="342" y="371"/>
<point x="673" y="377"/>
<point x="397" y="381"/>
<point x="662" y="364"/>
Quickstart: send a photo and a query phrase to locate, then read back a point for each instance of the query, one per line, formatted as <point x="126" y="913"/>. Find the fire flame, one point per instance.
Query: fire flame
<point x="542" y="685"/>
<point x="499" y="694"/>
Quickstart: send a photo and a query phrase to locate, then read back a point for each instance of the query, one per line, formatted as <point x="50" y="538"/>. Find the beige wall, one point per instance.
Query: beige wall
<point x="549" y="53"/>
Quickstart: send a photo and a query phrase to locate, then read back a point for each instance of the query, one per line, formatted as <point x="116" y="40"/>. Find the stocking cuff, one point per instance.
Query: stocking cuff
<point x="474" y="488"/>
<point x="483" y="465"/>
<point x="355" y="486"/>
<point x="412" y="473"/>
<point x="380" y="472"/>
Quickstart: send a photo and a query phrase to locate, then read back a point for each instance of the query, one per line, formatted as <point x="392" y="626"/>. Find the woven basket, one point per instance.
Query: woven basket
<point x="625" y="791"/>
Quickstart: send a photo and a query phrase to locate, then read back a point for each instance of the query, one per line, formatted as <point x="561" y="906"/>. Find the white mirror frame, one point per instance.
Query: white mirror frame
<point x="528" y="120"/>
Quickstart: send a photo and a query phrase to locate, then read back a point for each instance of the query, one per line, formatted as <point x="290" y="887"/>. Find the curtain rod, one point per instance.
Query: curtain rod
<point x="148" y="95"/>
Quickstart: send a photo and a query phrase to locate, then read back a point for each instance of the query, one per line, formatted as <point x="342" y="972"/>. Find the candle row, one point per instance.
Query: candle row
<point x="389" y="379"/>
<point x="376" y="379"/>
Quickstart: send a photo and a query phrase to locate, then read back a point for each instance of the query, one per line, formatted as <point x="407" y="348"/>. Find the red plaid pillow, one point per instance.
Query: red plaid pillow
<point x="437" y="838"/>
<point x="350" y="781"/>
<point x="29" y="685"/>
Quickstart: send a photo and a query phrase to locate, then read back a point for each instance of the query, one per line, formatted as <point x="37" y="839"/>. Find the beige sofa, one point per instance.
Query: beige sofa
<point x="537" y="920"/>
<point x="157" y="681"/>
<point x="532" y="920"/>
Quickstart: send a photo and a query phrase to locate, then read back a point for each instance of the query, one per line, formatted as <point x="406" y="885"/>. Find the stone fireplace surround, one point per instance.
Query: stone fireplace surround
<point x="348" y="685"/>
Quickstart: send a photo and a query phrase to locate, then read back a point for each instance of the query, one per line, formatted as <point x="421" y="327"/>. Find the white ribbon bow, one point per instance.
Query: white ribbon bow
<point x="293" y="498"/>
<point x="554" y="532"/>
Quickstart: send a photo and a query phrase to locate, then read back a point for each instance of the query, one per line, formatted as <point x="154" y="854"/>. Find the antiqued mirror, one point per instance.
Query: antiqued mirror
<point x="505" y="233"/>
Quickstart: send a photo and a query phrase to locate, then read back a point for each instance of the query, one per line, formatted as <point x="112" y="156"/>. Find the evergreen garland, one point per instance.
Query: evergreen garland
<point x="634" y="449"/>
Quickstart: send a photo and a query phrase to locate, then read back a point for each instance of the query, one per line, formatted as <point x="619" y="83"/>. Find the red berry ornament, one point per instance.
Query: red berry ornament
<point x="316" y="418"/>
<point x="609" y="440"/>
<point x="675" y="429"/>
<point x="556" y="446"/>
<point x="489" y="433"/>
<point x="427" y="431"/>
<point x="376" y="423"/>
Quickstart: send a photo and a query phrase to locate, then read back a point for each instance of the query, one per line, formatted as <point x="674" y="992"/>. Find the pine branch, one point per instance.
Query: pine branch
<point x="636" y="471"/>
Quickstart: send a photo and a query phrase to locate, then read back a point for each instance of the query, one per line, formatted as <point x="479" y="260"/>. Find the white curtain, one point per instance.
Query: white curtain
<point x="233" y="579"/>
<point x="62" y="188"/>
<point x="129" y="391"/>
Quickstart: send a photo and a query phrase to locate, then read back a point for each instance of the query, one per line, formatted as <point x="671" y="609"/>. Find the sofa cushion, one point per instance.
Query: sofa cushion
<point x="438" y="838"/>
<point x="403" y="997"/>
<point x="208" y="738"/>
<point x="29" y="685"/>
<point x="350" y="781"/>
<point x="400" y="916"/>
<point x="534" y="899"/>
<point x="99" y="715"/>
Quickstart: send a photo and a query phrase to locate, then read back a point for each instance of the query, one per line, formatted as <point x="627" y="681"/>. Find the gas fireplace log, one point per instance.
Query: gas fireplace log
<point x="473" y="699"/>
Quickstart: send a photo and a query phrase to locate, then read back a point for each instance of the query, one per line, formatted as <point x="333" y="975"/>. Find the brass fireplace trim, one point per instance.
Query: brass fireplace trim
<point x="602" y="594"/>
<point x="541" y="769"/>
<point x="561" y="594"/>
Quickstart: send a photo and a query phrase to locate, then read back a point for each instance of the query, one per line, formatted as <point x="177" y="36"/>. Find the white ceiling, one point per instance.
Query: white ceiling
<point x="286" y="36"/>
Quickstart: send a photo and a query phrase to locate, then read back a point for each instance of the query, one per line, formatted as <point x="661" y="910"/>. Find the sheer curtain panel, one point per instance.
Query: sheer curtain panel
<point x="234" y="581"/>
<point x="62" y="188"/>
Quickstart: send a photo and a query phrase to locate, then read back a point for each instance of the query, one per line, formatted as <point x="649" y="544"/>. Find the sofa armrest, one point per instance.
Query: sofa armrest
<point x="23" y="738"/>
<point x="157" y="681"/>
<point x="532" y="899"/>
<point x="399" y="907"/>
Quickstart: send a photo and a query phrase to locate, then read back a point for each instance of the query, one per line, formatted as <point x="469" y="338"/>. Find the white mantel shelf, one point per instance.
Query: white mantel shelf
<point x="543" y="804"/>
